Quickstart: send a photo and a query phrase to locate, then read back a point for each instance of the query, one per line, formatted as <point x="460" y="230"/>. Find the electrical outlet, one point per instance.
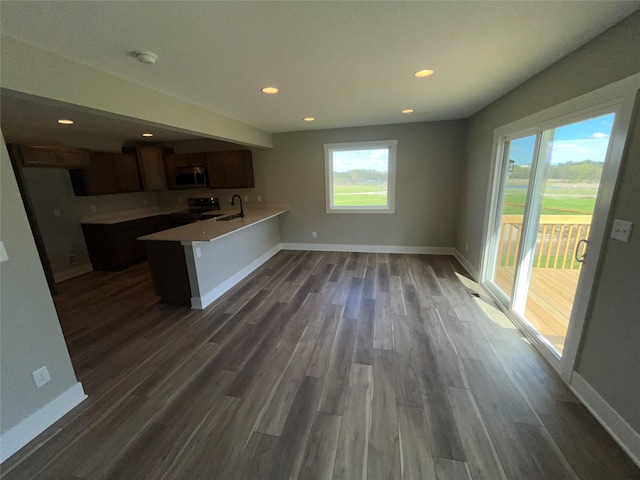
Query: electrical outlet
<point x="93" y="208"/>
<point x="229" y="199"/>
<point x="41" y="376"/>
<point x="259" y="198"/>
<point x="57" y="212"/>
<point x="72" y="258"/>
<point x="466" y="246"/>
<point x="314" y="234"/>
<point x="198" y="252"/>
<point x="246" y="198"/>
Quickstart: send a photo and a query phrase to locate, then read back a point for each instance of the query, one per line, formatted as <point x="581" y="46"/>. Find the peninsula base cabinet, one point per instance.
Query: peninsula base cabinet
<point x="114" y="246"/>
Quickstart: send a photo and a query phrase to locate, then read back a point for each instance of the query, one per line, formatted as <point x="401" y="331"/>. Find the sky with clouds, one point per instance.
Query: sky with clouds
<point x="585" y="140"/>
<point x="369" y="159"/>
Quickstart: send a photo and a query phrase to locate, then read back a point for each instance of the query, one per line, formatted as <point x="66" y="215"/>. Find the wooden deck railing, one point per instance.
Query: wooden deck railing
<point x="558" y="236"/>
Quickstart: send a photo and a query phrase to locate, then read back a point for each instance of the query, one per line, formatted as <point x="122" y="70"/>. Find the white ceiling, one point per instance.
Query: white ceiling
<point x="345" y="63"/>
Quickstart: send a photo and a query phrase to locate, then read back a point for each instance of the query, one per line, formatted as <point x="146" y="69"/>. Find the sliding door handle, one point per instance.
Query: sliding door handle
<point x="582" y="257"/>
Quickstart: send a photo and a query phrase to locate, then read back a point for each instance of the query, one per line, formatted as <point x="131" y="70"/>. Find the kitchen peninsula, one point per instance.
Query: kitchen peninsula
<point x="196" y="263"/>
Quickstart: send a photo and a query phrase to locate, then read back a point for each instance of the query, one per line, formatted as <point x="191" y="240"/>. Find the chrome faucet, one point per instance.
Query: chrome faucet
<point x="232" y="203"/>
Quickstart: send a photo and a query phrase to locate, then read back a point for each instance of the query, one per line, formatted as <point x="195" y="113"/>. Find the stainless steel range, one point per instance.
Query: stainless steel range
<point x="196" y="207"/>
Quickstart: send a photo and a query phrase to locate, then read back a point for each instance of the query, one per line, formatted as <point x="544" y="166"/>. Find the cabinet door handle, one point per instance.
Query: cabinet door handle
<point x="582" y="258"/>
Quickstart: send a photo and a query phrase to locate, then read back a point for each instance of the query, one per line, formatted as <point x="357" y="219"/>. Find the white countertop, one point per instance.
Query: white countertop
<point x="209" y="230"/>
<point x="118" y="217"/>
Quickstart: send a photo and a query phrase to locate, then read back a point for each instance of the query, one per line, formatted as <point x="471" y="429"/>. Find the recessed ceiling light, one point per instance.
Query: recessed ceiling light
<point x="423" y="73"/>
<point x="269" y="90"/>
<point x="147" y="134"/>
<point x="65" y="121"/>
<point x="407" y="110"/>
<point x="308" y="119"/>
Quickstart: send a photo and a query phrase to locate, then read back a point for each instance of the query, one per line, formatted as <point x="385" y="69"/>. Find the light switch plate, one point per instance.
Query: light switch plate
<point x="621" y="230"/>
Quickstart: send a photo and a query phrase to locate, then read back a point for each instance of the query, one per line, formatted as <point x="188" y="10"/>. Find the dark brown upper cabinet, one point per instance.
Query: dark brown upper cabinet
<point x="230" y="169"/>
<point x="151" y="165"/>
<point x="54" y="156"/>
<point x="107" y="173"/>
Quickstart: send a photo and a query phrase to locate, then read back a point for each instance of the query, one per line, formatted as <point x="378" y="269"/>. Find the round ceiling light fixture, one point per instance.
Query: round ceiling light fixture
<point x="423" y="73"/>
<point x="147" y="57"/>
<point x="65" y="121"/>
<point x="269" y="90"/>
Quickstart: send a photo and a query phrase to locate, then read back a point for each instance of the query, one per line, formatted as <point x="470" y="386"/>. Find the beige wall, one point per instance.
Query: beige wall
<point x="609" y="357"/>
<point x="30" y="333"/>
<point x="427" y="186"/>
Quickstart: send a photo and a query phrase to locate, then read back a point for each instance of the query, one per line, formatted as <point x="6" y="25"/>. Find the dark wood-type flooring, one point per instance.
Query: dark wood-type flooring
<point x="320" y="365"/>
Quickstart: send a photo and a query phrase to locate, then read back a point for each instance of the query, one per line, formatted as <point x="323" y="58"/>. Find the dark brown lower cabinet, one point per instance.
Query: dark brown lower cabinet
<point x="114" y="246"/>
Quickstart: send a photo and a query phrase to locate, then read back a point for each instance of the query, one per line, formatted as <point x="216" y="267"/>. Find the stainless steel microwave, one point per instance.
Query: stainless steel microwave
<point x="195" y="176"/>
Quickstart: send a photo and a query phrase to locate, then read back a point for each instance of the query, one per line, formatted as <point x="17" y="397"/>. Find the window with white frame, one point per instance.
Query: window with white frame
<point x="360" y="177"/>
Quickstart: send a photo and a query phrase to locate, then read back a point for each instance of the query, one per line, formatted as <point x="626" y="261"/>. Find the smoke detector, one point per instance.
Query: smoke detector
<point x="147" y="57"/>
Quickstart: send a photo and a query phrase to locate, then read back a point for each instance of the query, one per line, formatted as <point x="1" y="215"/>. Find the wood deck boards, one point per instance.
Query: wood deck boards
<point x="550" y="300"/>
<point x="318" y="365"/>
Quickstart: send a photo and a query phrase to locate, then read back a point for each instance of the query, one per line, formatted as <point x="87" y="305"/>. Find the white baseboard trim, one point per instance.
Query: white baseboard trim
<point x="467" y="265"/>
<point x="19" y="435"/>
<point x="72" y="272"/>
<point x="336" y="247"/>
<point x="200" y="303"/>
<point x="618" y="428"/>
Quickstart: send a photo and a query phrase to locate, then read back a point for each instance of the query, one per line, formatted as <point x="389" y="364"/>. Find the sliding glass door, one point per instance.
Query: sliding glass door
<point x="549" y="180"/>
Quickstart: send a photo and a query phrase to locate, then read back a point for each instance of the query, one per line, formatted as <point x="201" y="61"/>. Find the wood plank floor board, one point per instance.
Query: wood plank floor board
<point x="68" y="459"/>
<point x="408" y="390"/>
<point x="320" y="452"/>
<point x="278" y="409"/>
<point x="290" y="450"/>
<point x="257" y="458"/>
<point x="382" y="277"/>
<point x="353" y="448"/>
<point x="321" y="355"/>
<point x="343" y="288"/>
<point x="396" y="297"/>
<point x="354" y="299"/>
<point x="382" y="326"/>
<point x="384" y="445"/>
<point x="442" y="426"/>
<point x="480" y="454"/>
<point x="447" y="469"/>
<point x="204" y="439"/>
<point x="459" y="333"/>
<point x="369" y="286"/>
<point x="219" y="461"/>
<point x="363" y="349"/>
<point x="320" y="395"/>
<point x="444" y="354"/>
<point x="498" y="388"/>
<point x="513" y="452"/>
<point x="544" y="452"/>
<point x="415" y="449"/>
<point x="337" y="376"/>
